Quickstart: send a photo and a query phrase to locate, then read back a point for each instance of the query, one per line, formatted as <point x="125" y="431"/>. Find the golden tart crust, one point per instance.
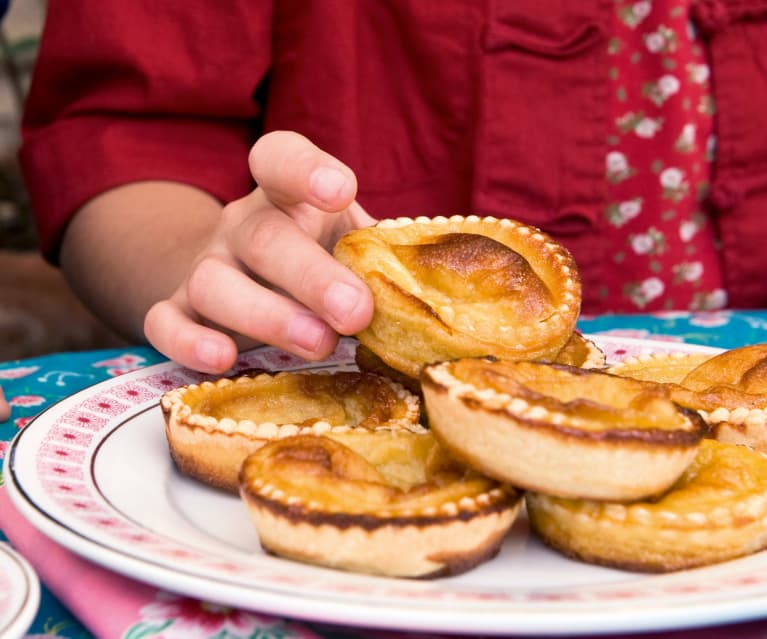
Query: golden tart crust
<point x="463" y="286"/>
<point x="560" y="430"/>
<point x="582" y="352"/>
<point x="666" y="368"/>
<point x="716" y="511"/>
<point x="386" y="503"/>
<point x="213" y="426"/>
<point x="730" y="391"/>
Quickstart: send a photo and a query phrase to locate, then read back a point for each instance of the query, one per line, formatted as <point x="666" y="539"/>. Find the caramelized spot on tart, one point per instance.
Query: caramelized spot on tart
<point x="464" y="268"/>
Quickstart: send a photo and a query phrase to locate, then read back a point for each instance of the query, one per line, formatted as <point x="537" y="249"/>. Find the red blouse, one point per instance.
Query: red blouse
<point x="440" y="107"/>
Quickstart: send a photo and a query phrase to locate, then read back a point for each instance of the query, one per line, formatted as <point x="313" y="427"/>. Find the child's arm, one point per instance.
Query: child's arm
<point x="169" y="258"/>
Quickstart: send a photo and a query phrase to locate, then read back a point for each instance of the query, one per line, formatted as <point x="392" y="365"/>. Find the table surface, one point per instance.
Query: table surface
<point x="61" y="374"/>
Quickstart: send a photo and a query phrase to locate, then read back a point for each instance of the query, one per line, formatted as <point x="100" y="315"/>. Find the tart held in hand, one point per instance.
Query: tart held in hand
<point x="463" y="286"/>
<point x="386" y="503"/>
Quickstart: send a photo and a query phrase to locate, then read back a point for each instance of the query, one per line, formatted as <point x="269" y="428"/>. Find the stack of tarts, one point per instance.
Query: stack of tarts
<point x="336" y="470"/>
<point x="615" y="470"/>
<point x="476" y="395"/>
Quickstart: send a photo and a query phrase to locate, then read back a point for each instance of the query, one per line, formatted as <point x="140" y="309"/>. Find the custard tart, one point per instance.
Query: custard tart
<point x="213" y="426"/>
<point x="730" y="391"/>
<point x="716" y="511"/>
<point x="463" y="286"/>
<point x="560" y="430"/>
<point x="385" y="503"/>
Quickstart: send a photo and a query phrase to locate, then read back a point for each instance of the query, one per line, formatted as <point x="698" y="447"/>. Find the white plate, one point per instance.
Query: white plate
<point x="19" y="594"/>
<point x="93" y="472"/>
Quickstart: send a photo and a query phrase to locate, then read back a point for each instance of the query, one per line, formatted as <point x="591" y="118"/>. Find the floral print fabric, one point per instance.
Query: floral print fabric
<point x="660" y="147"/>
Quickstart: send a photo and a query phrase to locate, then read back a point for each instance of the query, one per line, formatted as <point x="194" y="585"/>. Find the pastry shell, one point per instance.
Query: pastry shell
<point x="385" y="503"/>
<point x="560" y="430"/>
<point x="212" y="427"/>
<point x="716" y="511"/>
<point x="463" y="286"/>
<point x="666" y="368"/>
<point x="582" y="352"/>
<point x="730" y="392"/>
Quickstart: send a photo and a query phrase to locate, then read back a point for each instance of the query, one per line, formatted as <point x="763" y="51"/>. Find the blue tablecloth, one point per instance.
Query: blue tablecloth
<point x="33" y="384"/>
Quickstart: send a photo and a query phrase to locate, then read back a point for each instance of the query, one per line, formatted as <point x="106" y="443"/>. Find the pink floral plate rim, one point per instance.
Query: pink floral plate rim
<point x="19" y="593"/>
<point x="50" y="476"/>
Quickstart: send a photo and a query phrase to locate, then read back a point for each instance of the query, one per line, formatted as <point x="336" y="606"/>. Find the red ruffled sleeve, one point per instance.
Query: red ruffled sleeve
<point x="134" y="91"/>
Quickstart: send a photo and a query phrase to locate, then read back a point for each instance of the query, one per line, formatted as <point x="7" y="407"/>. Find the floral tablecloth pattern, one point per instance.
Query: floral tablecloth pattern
<point x="32" y="385"/>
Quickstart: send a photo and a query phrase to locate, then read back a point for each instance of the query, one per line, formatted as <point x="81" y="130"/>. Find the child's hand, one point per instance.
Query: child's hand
<point x="5" y="409"/>
<point x="266" y="274"/>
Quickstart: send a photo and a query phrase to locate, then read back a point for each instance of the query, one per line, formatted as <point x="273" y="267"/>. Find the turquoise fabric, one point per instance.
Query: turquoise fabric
<point x="722" y="329"/>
